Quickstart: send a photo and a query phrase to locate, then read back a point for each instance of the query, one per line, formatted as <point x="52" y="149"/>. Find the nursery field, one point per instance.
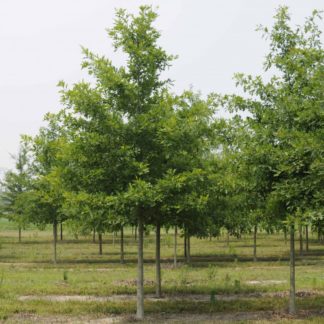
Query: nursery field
<point x="221" y="282"/>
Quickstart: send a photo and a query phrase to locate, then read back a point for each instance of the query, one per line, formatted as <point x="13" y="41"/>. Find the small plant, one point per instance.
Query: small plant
<point x="237" y="286"/>
<point x="168" y="241"/>
<point x="65" y="276"/>
<point x="184" y="275"/>
<point x="227" y="280"/>
<point x="213" y="296"/>
<point x="231" y="250"/>
<point x="211" y="272"/>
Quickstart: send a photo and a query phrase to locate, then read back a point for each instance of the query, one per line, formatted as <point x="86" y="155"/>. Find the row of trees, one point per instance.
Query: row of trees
<point x="125" y="150"/>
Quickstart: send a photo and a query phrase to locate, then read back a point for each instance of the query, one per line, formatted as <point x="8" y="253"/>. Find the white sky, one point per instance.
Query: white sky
<point x="40" y="45"/>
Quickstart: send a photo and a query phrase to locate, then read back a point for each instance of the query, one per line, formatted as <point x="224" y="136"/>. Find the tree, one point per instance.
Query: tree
<point x="285" y="115"/>
<point x="43" y="202"/>
<point x="14" y="185"/>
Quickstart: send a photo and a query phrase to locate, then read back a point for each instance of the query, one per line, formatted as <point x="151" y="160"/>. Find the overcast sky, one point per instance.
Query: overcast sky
<point x="40" y="45"/>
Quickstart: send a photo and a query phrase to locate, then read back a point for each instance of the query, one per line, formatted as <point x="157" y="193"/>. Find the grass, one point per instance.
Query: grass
<point x="216" y="269"/>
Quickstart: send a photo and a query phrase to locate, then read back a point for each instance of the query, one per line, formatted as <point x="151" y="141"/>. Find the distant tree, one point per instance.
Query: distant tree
<point x="44" y="201"/>
<point x="15" y="183"/>
<point x="285" y="115"/>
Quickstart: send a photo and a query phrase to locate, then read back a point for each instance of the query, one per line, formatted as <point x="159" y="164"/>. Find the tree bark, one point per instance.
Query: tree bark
<point x="175" y="245"/>
<point x="306" y="234"/>
<point x="300" y="228"/>
<point x="255" y="243"/>
<point x="61" y="231"/>
<point x="188" y="247"/>
<point x="285" y="234"/>
<point x="122" y="245"/>
<point x="158" y="260"/>
<point x="19" y="234"/>
<point x="54" y="241"/>
<point x="135" y="233"/>
<point x="292" y="293"/>
<point x="140" y="271"/>
<point x="185" y="243"/>
<point x="94" y="235"/>
<point x="100" y="243"/>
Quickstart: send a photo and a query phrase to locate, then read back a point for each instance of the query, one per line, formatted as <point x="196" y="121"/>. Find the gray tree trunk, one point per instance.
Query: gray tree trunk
<point x="122" y="245"/>
<point x="61" y="231"/>
<point x="185" y="244"/>
<point x="54" y="241"/>
<point x="188" y="248"/>
<point x="140" y="271"/>
<point x="306" y="238"/>
<point x="300" y="228"/>
<point x="292" y="293"/>
<point x="285" y="235"/>
<point x="255" y="243"/>
<point x="100" y="243"/>
<point x="175" y="245"/>
<point x="158" y="260"/>
<point x="19" y="234"/>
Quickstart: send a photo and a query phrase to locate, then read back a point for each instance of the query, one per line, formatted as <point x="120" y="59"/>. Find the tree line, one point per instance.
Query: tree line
<point x="124" y="150"/>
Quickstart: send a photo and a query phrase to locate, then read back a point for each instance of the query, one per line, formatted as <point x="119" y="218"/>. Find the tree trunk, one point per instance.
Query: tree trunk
<point x="94" y="236"/>
<point x="306" y="237"/>
<point x="135" y="233"/>
<point x="285" y="234"/>
<point x="19" y="234"/>
<point x="158" y="260"/>
<point x="185" y="243"/>
<point x="292" y="295"/>
<point x="100" y="243"/>
<point x="188" y="248"/>
<point x="54" y="241"/>
<point x="140" y="271"/>
<point x="175" y="245"/>
<point x="61" y="231"/>
<point x="122" y="245"/>
<point x="300" y="228"/>
<point x="255" y="243"/>
<point x="114" y="236"/>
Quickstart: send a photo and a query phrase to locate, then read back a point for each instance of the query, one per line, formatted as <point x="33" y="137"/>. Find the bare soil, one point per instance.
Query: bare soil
<point x="189" y="297"/>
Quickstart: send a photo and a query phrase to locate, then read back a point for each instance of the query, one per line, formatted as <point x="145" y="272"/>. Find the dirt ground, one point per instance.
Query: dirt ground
<point x="189" y="297"/>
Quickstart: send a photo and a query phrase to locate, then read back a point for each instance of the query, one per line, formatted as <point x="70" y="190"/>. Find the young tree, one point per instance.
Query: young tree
<point x="14" y="185"/>
<point x="285" y="116"/>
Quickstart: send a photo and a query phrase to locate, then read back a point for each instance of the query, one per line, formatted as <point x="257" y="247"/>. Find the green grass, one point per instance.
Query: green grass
<point x="26" y="269"/>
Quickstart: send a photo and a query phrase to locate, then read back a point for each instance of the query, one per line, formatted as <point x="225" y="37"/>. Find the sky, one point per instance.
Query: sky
<point x="41" y="39"/>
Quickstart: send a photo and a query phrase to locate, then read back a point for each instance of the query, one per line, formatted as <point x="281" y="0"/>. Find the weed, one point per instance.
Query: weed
<point x="213" y="296"/>
<point x="237" y="286"/>
<point x="211" y="272"/>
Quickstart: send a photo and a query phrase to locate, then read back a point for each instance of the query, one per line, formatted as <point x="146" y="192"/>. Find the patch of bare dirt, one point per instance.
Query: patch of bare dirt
<point x="133" y="283"/>
<point x="266" y="282"/>
<point x="186" y="297"/>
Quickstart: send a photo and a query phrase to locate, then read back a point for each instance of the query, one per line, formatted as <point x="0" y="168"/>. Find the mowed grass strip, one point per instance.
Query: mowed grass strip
<point x="9" y="307"/>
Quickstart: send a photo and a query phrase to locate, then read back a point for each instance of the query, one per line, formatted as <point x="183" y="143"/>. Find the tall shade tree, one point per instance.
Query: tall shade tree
<point x="285" y="115"/>
<point x="115" y="119"/>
